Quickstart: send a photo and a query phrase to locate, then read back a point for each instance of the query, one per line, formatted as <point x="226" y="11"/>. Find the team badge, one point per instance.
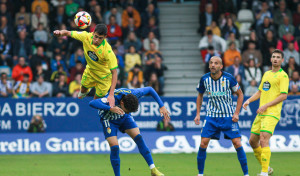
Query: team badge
<point x="108" y="130"/>
<point x="266" y="86"/>
<point x="223" y="83"/>
<point x="92" y="55"/>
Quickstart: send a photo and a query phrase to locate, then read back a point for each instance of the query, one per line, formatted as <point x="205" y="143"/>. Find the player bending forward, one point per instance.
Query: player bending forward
<point x="220" y="114"/>
<point x="119" y="118"/>
<point x="100" y="71"/>
<point x="272" y="92"/>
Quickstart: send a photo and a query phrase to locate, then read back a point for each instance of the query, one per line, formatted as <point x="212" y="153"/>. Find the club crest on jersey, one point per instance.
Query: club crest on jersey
<point x="266" y="86"/>
<point x="108" y="130"/>
<point x="223" y="83"/>
<point x="92" y="55"/>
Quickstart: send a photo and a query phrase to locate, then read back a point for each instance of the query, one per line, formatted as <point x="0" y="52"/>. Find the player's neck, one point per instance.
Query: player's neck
<point x="216" y="76"/>
<point x="275" y="69"/>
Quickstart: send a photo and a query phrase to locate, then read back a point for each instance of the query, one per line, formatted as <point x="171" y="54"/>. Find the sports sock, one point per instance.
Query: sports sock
<point x="264" y="174"/>
<point x="265" y="158"/>
<point x="115" y="159"/>
<point x="257" y="154"/>
<point x="201" y="159"/>
<point x="144" y="150"/>
<point x="243" y="159"/>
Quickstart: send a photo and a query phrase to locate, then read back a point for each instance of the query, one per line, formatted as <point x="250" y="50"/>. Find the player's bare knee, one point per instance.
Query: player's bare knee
<point x="203" y="144"/>
<point x="253" y="143"/>
<point x="237" y="142"/>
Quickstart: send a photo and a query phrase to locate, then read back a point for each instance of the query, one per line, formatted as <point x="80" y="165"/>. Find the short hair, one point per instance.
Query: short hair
<point x="101" y="29"/>
<point x="131" y="102"/>
<point x="210" y="47"/>
<point x="26" y="75"/>
<point x="278" y="51"/>
<point x="209" y="32"/>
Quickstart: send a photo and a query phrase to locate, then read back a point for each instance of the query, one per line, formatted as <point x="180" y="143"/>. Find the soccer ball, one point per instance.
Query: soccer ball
<point x="82" y="19"/>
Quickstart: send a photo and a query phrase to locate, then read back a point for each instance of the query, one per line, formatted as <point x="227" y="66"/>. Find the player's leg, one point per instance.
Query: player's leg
<point x="241" y="154"/>
<point x="114" y="154"/>
<point x="201" y="157"/>
<point x="87" y="82"/>
<point x="102" y="87"/>
<point x="254" y="138"/>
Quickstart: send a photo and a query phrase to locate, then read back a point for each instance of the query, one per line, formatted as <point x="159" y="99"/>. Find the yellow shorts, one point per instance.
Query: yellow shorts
<point x="90" y="79"/>
<point x="264" y="124"/>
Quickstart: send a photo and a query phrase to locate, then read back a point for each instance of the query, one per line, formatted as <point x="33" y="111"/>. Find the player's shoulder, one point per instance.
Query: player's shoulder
<point x="228" y="76"/>
<point x="205" y="76"/>
<point x="283" y="73"/>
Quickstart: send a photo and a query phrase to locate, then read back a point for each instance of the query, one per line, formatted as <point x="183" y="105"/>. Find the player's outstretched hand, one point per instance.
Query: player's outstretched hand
<point x="235" y="118"/>
<point x="57" y="33"/>
<point x="117" y="110"/>
<point x="197" y="119"/>
<point x="111" y="100"/>
<point x="164" y="112"/>
<point x="246" y="104"/>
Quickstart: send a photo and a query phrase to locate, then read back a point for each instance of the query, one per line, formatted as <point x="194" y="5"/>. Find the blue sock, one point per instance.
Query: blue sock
<point x="144" y="150"/>
<point x="115" y="159"/>
<point x="201" y="159"/>
<point x="243" y="159"/>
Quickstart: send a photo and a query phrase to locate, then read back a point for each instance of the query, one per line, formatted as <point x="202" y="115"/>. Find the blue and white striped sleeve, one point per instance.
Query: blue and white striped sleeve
<point x="234" y="85"/>
<point x="200" y="86"/>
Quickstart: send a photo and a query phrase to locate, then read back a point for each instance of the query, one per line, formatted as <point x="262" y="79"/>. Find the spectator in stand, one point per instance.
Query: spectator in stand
<point x="290" y="52"/>
<point x="21" y="25"/>
<point x="131" y="59"/>
<point x="252" y="54"/>
<point x="263" y="13"/>
<point x="132" y="40"/>
<point x="231" y="54"/>
<point x="149" y="58"/>
<point x="213" y="40"/>
<point x="158" y="69"/>
<point x="152" y="27"/>
<point x="20" y="69"/>
<point x="6" y="28"/>
<point x="252" y="89"/>
<point x="55" y="74"/>
<point x="40" y="58"/>
<point x="264" y="28"/>
<point x="97" y="15"/>
<point x="228" y="28"/>
<point x="137" y="72"/>
<point x="120" y="68"/>
<point x="113" y="11"/>
<point x="206" y="17"/>
<point x="294" y="90"/>
<point x="149" y="13"/>
<point x="22" y="47"/>
<point x="214" y="28"/>
<point x="6" y="13"/>
<point x="282" y="43"/>
<point x="295" y="80"/>
<point x="24" y="14"/>
<point x="37" y="18"/>
<point x="291" y="66"/>
<point x="57" y="3"/>
<point x="286" y="27"/>
<point x="165" y="125"/>
<point x="114" y="31"/>
<point x="120" y="47"/>
<point x="135" y="83"/>
<point x="22" y="88"/>
<point x="41" y="3"/>
<point x="5" y="48"/>
<point x="147" y="41"/>
<point x="40" y="71"/>
<point x="241" y="82"/>
<point x="296" y="16"/>
<point x="5" y="86"/>
<point x="59" y="17"/>
<point x="267" y="54"/>
<point x="36" y="124"/>
<point x="60" y="45"/>
<point x="269" y="40"/>
<point x="236" y="68"/>
<point x="40" y="88"/>
<point x="154" y="83"/>
<point x="210" y="53"/>
<point x="77" y="56"/>
<point x="252" y="72"/>
<point x="74" y="86"/>
<point x="56" y="62"/>
<point x="232" y="38"/>
<point x="71" y="8"/>
<point x="130" y="28"/>
<point x="252" y="38"/>
<point x="77" y="69"/>
<point x="40" y="36"/>
<point x="60" y="88"/>
<point x="281" y="12"/>
<point x="226" y="6"/>
<point x="131" y="13"/>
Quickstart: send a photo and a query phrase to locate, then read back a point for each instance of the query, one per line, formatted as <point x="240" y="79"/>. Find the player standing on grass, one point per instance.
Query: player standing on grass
<point x="272" y="92"/>
<point x="220" y="115"/>
<point x="119" y="118"/>
<point x="100" y="71"/>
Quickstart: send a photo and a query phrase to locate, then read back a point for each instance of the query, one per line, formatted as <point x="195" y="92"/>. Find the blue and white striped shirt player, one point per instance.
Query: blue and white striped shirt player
<point x="219" y="94"/>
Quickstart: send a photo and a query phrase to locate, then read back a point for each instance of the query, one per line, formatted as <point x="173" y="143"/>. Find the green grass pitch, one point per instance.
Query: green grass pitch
<point x="217" y="164"/>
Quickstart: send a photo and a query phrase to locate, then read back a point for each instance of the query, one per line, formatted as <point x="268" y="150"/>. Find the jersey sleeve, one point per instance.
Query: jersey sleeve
<point x="79" y="35"/>
<point x="234" y="85"/>
<point x="261" y="82"/>
<point x="100" y="103"/>
<point x="112" y="59"/>
<point x="284" y="84"/>
<point x="147" y="91"/>
<point x="200" y="86"/>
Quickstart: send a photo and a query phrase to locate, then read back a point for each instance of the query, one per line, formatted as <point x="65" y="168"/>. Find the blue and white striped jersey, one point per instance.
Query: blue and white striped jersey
<point x="219" y="94"/>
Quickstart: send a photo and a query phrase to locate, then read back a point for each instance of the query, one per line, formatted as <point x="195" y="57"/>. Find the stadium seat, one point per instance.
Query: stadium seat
<point x="245" y="18"/>
<point x="5" y="69"/>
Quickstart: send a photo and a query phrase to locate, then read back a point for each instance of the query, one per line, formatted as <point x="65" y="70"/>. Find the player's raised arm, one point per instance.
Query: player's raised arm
<point x="102" y="104"/>
<point x="60" y="33"/>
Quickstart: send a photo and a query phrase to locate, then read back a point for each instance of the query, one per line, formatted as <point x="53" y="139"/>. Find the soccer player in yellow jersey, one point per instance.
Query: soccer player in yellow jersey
<point x="100" y="71"/>
<point x="272" y="92"/>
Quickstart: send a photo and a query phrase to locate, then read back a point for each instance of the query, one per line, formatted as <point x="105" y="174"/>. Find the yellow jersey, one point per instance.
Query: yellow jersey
<point x="271" y="86"/>
<point x="100" y="59"/>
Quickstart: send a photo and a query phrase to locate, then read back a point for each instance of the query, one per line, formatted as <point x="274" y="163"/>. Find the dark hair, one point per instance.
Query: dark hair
<point x="210" y="47"/>
<point x="209" y="32"/>
<point x="26" y="75"/>
<point x="131" y="103"/>
<point x="278" y="51"/>
<point x="101" y="29"/>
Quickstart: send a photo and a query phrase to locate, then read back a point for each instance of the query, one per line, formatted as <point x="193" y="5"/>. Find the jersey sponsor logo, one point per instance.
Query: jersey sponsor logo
<point x="93" y="55"/>
<point x="266" y="86"/>
<point x="217" y="93"/>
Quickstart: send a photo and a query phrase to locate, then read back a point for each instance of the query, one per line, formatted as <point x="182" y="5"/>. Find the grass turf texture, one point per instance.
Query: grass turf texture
<point x="225" y="164"/>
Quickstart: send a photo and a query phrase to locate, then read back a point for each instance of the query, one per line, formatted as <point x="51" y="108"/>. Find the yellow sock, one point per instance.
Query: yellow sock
<point x="257" y="154"/>
<point x="265" y="158"/>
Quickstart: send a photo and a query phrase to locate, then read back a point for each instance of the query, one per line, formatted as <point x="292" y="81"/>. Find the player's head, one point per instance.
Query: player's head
<point x="99" y="34"/>
<point x="277" y="58"/>
<point x="215" y="65"/>
<point x="129" y="103"/>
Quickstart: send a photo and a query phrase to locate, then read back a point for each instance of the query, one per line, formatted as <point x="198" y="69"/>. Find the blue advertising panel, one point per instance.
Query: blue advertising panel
<point x="74" y="115"/>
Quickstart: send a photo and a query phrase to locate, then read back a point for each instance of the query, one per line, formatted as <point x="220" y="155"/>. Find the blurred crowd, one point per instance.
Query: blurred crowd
<point x="33" y="63"/>
<point x="246" y="52"/>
